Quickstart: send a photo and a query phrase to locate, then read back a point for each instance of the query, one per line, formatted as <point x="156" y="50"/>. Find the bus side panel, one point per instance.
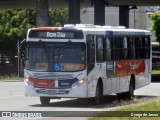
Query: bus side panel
<point x="108" y="86"/>
<point x="124" y="69"/>
<point x="124" y="83"/>
<point x="117" y="77"/>
<point x="144" y="79"/>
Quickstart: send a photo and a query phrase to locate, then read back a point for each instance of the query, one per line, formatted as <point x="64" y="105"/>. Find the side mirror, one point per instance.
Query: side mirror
<point x="23" y="52"/>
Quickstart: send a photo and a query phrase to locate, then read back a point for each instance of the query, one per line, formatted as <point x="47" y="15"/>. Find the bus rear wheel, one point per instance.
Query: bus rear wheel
<point x="127" y="95"/>
<point x="44" y="100"/>
<point x="130" y="93"/>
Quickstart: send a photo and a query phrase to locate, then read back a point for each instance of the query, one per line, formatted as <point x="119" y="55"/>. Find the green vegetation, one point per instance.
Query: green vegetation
<point x="155" y="21"/>
<point x="15" y="23"/>
<point x="156" y="72"/>
<point x="58" y="17"/>
<point x="13" y="27"/>
<point x="139" y="106"/>
<point x="11" y="77"/>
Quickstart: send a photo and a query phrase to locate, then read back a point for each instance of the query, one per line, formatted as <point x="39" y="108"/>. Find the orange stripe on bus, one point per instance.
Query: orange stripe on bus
<point x="42" y="82"/>
<point x="46" y="28"/>
<point x="124" y="68"/>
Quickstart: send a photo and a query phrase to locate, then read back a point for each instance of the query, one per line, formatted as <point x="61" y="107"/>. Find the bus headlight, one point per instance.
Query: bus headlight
<point x="76" y="84"/>
<point x="29" y="82"/>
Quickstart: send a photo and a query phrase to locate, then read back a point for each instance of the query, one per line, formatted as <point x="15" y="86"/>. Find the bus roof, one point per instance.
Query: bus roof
<point x="90" y="28"/>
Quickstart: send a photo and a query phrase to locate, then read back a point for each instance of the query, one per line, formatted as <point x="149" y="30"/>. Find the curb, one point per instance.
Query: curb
<point x="13" y="81"/>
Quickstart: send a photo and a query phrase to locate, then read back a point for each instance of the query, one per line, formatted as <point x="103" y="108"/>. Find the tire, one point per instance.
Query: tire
<point x="127" y="95"/>
<point x="130" y="93"/>
<point x="98" y="95"/>
<point x="45" y="100"/>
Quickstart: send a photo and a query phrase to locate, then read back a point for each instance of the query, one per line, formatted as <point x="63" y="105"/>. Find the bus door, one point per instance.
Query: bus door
<point x="90" y="53"/>
<point x="90" y="63"/>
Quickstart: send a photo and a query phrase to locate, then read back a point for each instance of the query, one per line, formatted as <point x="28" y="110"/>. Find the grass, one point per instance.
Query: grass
<point x="10" y="77"/>
<point x="156" y="72"/>
<point x="140" y="107"/>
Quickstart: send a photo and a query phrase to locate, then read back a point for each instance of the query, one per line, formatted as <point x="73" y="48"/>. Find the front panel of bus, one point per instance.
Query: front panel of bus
<point x="55" y="63"/>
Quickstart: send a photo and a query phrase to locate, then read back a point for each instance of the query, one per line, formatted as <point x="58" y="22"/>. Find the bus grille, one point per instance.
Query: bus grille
<point x="52" y="91"/>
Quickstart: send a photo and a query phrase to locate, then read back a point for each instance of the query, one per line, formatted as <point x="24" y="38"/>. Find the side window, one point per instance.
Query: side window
<point x="131" y="47"/>
<point x="90" y="53"/>
<point x="138" y="47"/>
<point x="125" y="48"/>
<point x="117" y="48"/>
<point x="147" y="47"/>
<point x="142" y="48"/>
<point x="108" y="49"/>
<point x="100" y="49"/>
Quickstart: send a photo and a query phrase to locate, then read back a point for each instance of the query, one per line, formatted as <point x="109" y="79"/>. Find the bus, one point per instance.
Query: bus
<point x="85" y="62"/>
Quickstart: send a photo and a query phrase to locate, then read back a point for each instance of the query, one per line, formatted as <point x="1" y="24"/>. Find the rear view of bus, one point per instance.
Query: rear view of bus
<point x="55" y="63"/>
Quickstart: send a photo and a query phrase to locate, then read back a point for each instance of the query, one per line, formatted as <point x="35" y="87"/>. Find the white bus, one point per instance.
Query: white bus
<point x="85" y="61"/>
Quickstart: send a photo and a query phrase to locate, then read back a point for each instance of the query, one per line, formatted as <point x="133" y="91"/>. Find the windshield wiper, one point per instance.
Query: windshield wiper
<point x="44" y="47"/>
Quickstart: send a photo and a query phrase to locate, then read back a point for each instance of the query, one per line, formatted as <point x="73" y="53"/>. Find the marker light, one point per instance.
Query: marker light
<point x="29" y="82"/>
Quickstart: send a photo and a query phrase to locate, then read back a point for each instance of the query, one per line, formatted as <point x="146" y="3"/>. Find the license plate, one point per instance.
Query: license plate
<point x="51" y="91"/>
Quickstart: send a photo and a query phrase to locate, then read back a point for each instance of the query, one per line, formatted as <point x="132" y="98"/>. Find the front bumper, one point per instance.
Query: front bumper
<point x="78" y="92"/>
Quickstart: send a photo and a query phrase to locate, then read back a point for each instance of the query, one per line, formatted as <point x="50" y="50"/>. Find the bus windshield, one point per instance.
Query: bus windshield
<point x="56" y="57"/>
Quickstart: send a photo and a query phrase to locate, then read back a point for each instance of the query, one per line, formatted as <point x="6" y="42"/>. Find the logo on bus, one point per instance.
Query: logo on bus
<point x="133" y="67"/>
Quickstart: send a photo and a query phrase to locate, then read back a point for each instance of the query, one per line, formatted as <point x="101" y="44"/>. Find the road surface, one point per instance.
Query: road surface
<point x="12" y="99"/>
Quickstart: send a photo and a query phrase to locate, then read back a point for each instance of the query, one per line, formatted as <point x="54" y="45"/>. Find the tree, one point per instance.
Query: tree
<point x="15" y="23"/>
<point x="58" y="17"/>
<point x="13" y="27"/>
<point x="155" y="21"/>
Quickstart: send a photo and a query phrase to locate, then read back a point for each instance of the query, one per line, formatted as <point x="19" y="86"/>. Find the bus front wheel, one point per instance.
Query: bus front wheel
<point x="98" y="95"/>
<point x="44" y="100"/>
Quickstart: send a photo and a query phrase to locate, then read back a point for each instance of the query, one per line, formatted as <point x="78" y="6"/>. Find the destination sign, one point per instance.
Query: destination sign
<point x="50" y="34"/>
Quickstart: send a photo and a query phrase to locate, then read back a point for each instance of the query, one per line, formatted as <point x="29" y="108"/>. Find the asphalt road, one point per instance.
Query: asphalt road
<point x="12" y="99"/>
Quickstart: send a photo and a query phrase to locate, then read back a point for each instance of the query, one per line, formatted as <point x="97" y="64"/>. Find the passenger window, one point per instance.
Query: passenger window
<point x="108" y="49"/>
<point x="138" y="46"/>
<point x="125" y="48"/>
<point x="117" y="48"/>
<point x="100" y="49"/>
<point x="147" y="47"/>
<point x="131" y="48"/>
